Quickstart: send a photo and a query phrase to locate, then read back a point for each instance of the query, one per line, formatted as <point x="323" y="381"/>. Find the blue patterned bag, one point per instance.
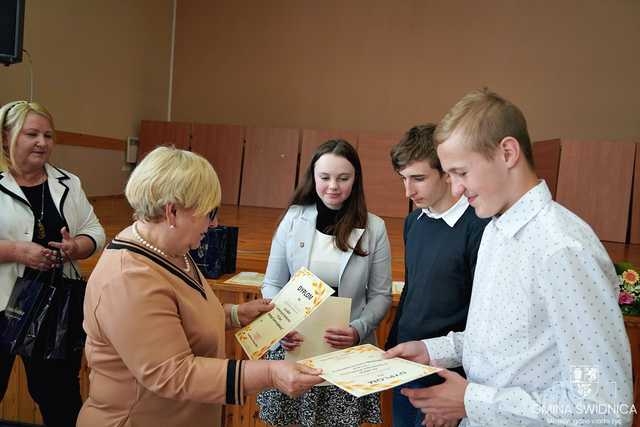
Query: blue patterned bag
<point x="217" y="252"/>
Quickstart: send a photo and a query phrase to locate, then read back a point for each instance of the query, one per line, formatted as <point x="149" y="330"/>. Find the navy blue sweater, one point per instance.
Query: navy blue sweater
<point x="439" y="265"/>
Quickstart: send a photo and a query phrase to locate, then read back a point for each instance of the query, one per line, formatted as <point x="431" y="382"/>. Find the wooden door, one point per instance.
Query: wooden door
<point x="222" y="145"/>
<point x="382" y="185"/>
<point x="269" y="171"/>
<point x="594" y="182"/>
<point x="156" y="133"/>
<point x="635" y="205"/>
<point x="546" y="156"/>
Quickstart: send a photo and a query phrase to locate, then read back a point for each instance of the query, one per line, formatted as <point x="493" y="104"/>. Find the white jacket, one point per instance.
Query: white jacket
<point x="17" y="220"/>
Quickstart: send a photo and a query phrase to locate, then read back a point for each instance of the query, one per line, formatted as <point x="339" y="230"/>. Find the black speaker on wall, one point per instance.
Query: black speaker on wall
<point x="11" y="31"/>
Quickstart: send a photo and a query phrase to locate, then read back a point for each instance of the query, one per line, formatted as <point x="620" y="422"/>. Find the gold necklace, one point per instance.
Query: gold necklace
<point x="39" y="225"/>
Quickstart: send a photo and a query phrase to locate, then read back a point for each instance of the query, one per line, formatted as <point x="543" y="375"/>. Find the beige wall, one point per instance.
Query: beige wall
<point x="100" y="66"/>
<point x="572" y="66"/>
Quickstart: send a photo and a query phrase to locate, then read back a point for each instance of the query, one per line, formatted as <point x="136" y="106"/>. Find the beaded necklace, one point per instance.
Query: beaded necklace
<point x="156" y="249"/>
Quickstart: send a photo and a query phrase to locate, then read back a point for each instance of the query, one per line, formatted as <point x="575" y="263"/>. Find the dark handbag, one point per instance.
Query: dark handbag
<point x="64" y="335"/>
<point x="29" y="301"/>
<point x="217" y="252"/>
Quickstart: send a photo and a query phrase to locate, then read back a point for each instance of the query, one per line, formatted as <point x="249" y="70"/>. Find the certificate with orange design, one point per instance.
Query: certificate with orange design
<point x="362" y="370"/>
<point x="300" y="297"/>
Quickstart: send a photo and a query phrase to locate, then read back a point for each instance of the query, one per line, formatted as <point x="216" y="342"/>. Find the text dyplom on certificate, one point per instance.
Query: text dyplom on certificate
<point x="362" y="370"/>
<point x="300" y="297"/>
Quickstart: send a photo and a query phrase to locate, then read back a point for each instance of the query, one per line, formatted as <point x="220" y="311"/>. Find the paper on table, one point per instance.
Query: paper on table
<point x="300" y="297"/>
<point x="246" y="278"/>
<point x="333" y="313"/>
<point x="362" y="370"/>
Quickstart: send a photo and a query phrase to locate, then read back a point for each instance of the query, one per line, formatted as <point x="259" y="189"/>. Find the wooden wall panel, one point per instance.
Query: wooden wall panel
<point x="382" y="185"/>
<point x="635" y="199"/>
<point x="595" y="182"/>
<point x="222" y="145"/>
<point x="155" y="133"/>
<point x="546" y="156"/>
<point x="269" y="172"/>
<point x="312" y="138"/>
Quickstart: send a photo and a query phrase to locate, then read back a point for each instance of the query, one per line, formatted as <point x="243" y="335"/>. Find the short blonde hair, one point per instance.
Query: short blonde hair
<point x="485" y="118"/>
<point x="170" y="175"/>
<point x="12" y="117"/>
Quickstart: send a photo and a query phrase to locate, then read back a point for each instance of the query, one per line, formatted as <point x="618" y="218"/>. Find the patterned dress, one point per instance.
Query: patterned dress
<point x="324" y="406"/>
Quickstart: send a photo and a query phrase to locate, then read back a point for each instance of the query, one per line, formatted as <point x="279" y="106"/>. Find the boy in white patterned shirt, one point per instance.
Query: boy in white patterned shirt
<point x="545" y="342"/>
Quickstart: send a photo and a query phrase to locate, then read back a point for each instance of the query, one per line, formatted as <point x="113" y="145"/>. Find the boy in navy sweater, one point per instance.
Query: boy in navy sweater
<point x="441" y="239"/>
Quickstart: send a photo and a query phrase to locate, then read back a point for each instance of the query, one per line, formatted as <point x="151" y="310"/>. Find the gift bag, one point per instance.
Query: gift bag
<point x="26" y="310"/>
<point x="63" y="335"/>
<point x="217" y="252"/>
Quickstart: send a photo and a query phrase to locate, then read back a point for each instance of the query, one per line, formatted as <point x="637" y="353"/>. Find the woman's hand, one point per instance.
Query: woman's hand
<point x="252" y="309"/>
<point x="68" y="247"/>
<point x="36" y="256"/>
<point x="293" y="379"/>
<point x="341" y="337"/>
<point x="291" y="341"/>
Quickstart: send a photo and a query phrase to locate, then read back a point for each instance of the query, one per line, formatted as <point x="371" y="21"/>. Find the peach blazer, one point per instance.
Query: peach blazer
<point x="155" y="344"/>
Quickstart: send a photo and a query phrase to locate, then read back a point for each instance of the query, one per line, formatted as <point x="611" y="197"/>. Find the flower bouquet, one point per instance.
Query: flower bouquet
<point x="629" y="282"/>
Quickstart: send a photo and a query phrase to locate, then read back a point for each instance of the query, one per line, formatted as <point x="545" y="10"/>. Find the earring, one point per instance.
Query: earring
<point x="172" y="226"/>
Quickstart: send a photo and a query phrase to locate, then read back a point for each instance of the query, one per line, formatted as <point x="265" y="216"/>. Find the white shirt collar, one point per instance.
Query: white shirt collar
<point x="451" y="215"/>
<point x="523" y="210"/>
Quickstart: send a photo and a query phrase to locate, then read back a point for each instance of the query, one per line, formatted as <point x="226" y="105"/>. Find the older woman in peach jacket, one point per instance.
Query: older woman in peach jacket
<point x="155" y="330"/>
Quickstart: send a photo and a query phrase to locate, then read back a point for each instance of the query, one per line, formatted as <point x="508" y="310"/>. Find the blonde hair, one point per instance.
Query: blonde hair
<point x="485" y="118"/>
<point x="170" y="175"/>
<point x="12" y="118"/>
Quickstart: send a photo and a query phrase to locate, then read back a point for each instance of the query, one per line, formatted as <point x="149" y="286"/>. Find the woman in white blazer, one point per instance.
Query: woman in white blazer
<point x="45" y="220"/>
<point x="328" y="230"/>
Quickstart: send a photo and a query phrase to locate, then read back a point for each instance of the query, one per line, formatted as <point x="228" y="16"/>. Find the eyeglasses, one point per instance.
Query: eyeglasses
<point x="212" y="214"/>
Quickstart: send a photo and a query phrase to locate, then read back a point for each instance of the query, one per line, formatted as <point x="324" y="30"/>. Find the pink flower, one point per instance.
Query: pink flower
<point x="625" y="298"/>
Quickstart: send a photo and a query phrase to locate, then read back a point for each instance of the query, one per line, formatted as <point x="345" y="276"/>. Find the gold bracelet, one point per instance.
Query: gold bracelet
<point x="235" y="320"/>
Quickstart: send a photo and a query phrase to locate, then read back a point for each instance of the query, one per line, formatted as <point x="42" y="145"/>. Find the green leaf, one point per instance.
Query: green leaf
<point x="623" y="266"/>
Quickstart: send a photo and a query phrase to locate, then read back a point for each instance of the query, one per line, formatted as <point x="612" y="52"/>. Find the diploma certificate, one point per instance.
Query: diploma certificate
<point x="300" y="297"/>
<point x="361" y="370"/>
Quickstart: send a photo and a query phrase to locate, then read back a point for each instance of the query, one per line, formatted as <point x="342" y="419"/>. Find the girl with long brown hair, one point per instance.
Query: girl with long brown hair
<point x="328" y="230"/>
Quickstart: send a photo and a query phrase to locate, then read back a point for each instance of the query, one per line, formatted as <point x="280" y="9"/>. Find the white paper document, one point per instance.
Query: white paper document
<point x="362" y="370"/>
<point x="297" y="300"/>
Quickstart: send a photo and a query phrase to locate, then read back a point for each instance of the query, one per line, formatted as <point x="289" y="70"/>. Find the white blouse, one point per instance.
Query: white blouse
<point x="325" y="259"/>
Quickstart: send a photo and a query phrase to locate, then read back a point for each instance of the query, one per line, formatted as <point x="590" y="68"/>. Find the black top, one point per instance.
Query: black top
<point x="439" y="265"/>
<point x="51" y="220"/>
<point x="327" y="218"/>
